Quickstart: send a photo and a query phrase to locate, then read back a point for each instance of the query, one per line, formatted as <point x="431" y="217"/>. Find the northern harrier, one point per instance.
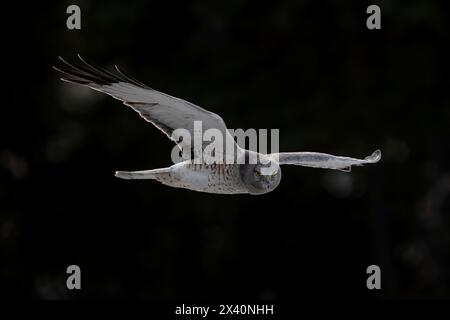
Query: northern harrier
<point x="168" y="113"/>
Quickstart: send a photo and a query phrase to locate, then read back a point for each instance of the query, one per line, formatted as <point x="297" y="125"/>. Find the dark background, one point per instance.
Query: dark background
<point x="309" y="68"/>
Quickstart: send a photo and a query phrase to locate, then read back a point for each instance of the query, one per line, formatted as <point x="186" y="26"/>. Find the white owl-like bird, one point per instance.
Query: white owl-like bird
<point x="168" y="113"/>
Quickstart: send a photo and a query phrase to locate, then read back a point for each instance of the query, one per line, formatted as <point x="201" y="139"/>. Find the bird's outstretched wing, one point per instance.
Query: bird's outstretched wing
<point x="323" y="160"/>
<point x="165" y="112"/>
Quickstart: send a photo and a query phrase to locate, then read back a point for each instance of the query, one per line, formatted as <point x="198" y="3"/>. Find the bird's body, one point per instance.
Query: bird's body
<point x="170" y="114"/>
<point x="212" y="178"/>
<point x="202" y="177"/>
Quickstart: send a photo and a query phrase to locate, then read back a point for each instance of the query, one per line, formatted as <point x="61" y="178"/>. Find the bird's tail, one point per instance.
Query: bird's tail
<point x="156" y="174"/>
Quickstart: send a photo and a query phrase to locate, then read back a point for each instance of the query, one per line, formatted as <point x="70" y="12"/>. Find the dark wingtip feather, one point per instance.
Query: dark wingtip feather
<point x="130" y="79"/>
<point x="87" y="73"/>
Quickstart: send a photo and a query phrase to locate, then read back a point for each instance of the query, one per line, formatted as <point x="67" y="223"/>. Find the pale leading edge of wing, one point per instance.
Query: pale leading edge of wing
<point x="323" y="160"/>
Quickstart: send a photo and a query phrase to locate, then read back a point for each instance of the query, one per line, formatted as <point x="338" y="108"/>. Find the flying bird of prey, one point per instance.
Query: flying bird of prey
<point x="168" y="113"/>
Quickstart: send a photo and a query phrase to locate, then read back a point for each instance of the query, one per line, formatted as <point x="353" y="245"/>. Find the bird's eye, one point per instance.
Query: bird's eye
<point x="257" y="173"/>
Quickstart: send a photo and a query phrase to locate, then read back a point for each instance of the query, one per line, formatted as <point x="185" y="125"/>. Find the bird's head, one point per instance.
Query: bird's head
<point x="261" y="178"/>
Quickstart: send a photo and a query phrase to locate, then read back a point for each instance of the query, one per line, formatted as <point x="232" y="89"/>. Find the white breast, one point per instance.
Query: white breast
<point x="208" y="178"/>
